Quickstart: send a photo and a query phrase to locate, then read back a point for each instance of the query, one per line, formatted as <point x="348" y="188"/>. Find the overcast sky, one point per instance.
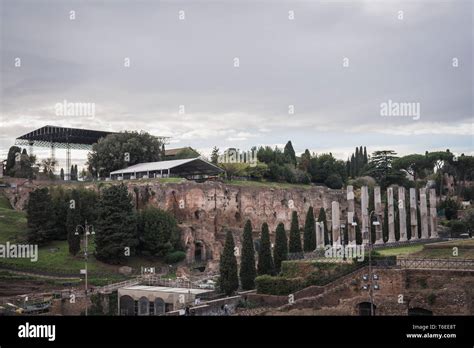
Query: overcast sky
<point x="283" y="62"/>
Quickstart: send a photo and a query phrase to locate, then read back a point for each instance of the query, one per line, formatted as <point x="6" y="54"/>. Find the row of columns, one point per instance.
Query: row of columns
<point x="428" y="219"/>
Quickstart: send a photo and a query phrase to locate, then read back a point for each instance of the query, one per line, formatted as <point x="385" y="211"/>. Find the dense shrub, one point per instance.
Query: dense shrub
<point x="334" y="181"/>
<point x="451" y="208"/>
<point x="158" y="232"/>
<point x="467" y="193"/>
<point x="278" y="285"/>
<point x="457" y="227"/>
<point x="175" y="256"/>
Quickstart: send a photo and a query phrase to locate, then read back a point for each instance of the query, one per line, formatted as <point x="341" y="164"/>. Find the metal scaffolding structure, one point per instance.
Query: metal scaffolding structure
<point x="61" y="138"/>
<point x="55" y="137"/>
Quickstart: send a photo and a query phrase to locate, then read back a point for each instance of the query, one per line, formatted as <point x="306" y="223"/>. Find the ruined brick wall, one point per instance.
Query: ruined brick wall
<point x="441" y="292"/>
<point x="65" y="307"/>
<point x="207" y="210"/>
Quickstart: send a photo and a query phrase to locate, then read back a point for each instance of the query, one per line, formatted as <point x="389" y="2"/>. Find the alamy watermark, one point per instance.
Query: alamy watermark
<point x="19" y="251"/>
<point x="237" y="156"/>
<point x="75" y="109"/>
<point x="345" y="252"/>
<point x="400" y="109"/>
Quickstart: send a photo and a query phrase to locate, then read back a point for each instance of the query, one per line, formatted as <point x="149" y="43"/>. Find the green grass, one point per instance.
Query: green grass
<point x="4" y="202"/>
<point x="12" y="223"/>
<point x="445" y="254"/>
<point x="404" y="250"/>
<point x="54" y="258"/>
<point x="440" y="250"/>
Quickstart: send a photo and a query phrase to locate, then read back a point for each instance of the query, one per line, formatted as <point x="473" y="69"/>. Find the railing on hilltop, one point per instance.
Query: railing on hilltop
<point x="441" y="264"/>
<point x="153" y="279"/>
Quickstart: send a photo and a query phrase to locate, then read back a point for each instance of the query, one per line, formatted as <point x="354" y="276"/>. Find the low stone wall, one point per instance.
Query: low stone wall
<point x="267" y="300"/>
<point x="65" y="307"/>
<point x="214" y="307"/>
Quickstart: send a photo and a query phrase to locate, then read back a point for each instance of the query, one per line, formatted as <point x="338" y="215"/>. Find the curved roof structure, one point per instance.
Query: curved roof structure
<point x="181" y="167"/>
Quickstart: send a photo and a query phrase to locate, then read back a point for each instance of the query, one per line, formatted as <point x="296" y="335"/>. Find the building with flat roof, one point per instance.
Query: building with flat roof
<point x="156" y="300"/>
<point x="190" y="168"/>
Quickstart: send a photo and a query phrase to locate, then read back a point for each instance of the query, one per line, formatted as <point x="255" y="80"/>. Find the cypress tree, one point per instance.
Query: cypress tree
<point x="265" y="261"/>
<point x="361" y="160"/>
<point x="295" y="238"/>
<point x="309" y="231"/>
<point x="73" y="219"/>
<point x="71" y="175"/>
<point x="358" y="233"/>
<point x="228" y="278"/>
<point x="62" y="174"/>
<point x="385" y="223"/>
<point x="356" y="162"/>
<point x="247" y="260"/>
<point x="40" y="217"/>
<point x="408" y="215"/>
<point x="372" y="208"/>
<point x="396" y="218"/>
<point x="352" y="165"/>
<point x="60" y="201"/>
<point x="280" y="252"/>
<point x="116" y="225"/>
<point x="322" y="218"/>
<point x="366" y="159"/>
<point x="345" y="233"/>
<point x="418" y="218"/>
<point x="75" y="173"/>
<point x="289" y="154"/>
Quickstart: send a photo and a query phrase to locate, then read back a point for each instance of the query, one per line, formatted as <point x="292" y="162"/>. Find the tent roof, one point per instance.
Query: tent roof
<point x="181" y="166"/>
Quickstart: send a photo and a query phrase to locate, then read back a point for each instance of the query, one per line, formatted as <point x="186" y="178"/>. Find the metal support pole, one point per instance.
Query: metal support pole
<point x="53" y="156"/>
<point x="68" y="162"/>
<point x="85" y="256"/>
<point x="371" y="294"/>
<point x="86" y="229"/>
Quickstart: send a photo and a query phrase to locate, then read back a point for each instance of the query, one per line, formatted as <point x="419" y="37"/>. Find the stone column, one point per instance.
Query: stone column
<point x="433" y="217"/>
<point x="391" y="216"/>
<point x="378" y="212"/>
<point x="350" y="215"/>
<point x="402" y="214"/>
<point x="365" y="215"/>
<point x="319" y="235"/>
<point x="423" y="214"/>
<point x="335" y="223"/>
<point x="413" y="215"/>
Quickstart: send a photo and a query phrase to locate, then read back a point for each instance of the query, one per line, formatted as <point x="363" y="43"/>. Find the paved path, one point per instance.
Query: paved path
<point x="38" y="275"/>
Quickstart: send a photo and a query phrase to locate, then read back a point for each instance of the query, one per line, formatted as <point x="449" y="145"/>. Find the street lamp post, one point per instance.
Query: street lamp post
<point x="87" y="230"/>
<point x="371" y="294"/>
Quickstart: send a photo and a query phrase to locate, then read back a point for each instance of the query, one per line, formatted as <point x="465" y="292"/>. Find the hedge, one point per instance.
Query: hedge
<point x="278" y="285"/>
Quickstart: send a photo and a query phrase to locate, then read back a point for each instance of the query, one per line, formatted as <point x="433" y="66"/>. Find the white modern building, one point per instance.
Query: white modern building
<point x="190" y="168"/>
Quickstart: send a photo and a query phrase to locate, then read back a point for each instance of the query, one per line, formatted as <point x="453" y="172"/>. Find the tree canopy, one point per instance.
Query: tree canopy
<point x="120" y="150"/>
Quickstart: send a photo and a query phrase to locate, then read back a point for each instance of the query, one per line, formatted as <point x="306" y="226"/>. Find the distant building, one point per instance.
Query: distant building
<point x="156" y="300"/>
<point x="191" y="168"/>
